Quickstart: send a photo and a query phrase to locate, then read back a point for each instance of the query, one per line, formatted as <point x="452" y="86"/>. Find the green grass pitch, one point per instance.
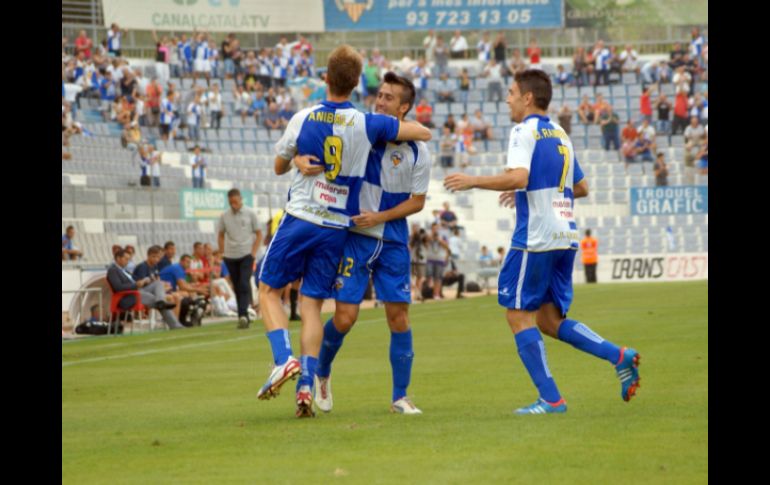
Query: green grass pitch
<point x="181" y="407"/>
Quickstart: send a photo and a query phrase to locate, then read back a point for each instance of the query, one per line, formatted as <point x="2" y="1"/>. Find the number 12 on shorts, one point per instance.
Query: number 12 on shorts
<point x="348" y="266"/>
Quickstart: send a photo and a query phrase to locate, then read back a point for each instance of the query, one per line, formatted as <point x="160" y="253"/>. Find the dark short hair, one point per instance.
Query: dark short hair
<point x="233" y="192"/>
<point x="185" y="256"/>
<point x="168" y="244"/>
<point x="538" y="83"/>
<point x="659" y="155"/>
<point x="197" y="244"/>
<point x="408" y="92"/>
<point x="154" y="250"/>
<point x="120" y="253"/>
<point x="68" y="228"/>
<point x="588" y="232"/>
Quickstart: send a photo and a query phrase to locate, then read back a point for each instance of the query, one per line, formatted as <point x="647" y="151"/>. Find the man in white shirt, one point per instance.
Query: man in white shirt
<point x="198" y="164"/>
<point x="457" y="46"/>
<point x="429" y="43"/>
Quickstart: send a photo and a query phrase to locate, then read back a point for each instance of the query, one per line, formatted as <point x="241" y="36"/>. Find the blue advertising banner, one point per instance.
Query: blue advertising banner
<point x="369" y="15"/>
<point x="683" y="199"/>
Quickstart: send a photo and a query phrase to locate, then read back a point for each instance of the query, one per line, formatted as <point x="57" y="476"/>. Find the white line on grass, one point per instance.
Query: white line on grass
<point x="203" y="344"/>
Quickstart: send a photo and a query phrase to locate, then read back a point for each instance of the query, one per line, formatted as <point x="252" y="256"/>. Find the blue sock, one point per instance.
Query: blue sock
<point x="583" y="338"/>
<point x="279" y="342"/>
<point x="331" y="344"/>
<point x="309" y="364"/>
<point x="532" y="353"/>
<point x="401" y="356"/>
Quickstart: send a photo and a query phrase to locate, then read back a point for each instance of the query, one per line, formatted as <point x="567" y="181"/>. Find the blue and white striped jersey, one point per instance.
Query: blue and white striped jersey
<point x="341" y="137"/>
<point x="113" y="40"/>
<point x="202" y="51"/>
<point x="545" y="219"/>
<point x="394" y="172"/>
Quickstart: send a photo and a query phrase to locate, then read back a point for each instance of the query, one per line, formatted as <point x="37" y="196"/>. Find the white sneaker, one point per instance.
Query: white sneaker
<point x="323" y="393"/>
<point x="278" y="377"/>
<point x="404" y="406"/>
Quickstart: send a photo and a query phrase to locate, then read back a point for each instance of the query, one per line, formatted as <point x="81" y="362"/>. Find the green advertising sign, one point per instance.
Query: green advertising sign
<point x="208" y="203"/>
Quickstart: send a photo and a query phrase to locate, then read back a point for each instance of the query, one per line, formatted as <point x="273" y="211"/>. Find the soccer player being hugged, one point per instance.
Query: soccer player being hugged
<point x="542" y="178"/>
<point x="395" y="184"/>
<point x="310" y="238"/>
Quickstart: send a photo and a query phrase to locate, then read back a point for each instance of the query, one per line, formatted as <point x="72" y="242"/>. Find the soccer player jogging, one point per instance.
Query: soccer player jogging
<point x="542" y="178"/>
<point x="396" y="181"/>
<point x="309" y="240"/>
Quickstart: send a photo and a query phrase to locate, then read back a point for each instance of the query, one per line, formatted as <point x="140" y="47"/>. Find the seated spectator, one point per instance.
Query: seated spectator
<point x="258" y="107"/>
<point x="661" y="170"/>
<point x="152" y="293"/>
<point x="629" y="59"/>
<point x="243" y="102"/>
<point x="131" y="136"/>
<point x="68" y="249"/>
<point x="562" y="77"/>
<point x="586" y="111"/>
<point x="273" y="118"/>
<point x="647" y="133"/>
<point x="176" y="275"/>
<point x="448" y="218"/>
<point x="446" y="89"/>
<point x="286" y="112"/>
<point x="424" y="113"/>
<point x="482" y="129"/>
<point x="169" y="251"/>
<point x="450" y="123"/>
<point x="629" y="131"/>
<point x="465" y="85"/>
<point x="517" y="63"/>
<point x="600" y="105"/>
<point x="447" y="149"/>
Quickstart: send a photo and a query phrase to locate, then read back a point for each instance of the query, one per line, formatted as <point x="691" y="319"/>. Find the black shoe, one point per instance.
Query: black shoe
<point x="295" y="318"/>
<point x="162" y="305"/>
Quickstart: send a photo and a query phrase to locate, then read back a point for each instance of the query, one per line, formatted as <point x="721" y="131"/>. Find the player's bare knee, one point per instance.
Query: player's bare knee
<point x="344" y="319"/>
<point x="398" y="318"/>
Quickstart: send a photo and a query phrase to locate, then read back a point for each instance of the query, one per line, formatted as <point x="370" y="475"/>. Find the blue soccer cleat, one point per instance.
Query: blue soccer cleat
<point x="541" y="406"/>
<point x="628" y="373"/>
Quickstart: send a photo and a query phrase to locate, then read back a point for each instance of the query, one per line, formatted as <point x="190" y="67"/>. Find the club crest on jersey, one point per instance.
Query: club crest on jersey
<point x="338" y="284"/>
<point x="396" y="158"/>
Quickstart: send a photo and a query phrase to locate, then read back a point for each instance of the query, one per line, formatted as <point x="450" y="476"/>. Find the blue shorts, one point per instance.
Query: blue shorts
<point x="529" y="279"/>
<point x="304" y="250"/>
<point x="386" y="261"/>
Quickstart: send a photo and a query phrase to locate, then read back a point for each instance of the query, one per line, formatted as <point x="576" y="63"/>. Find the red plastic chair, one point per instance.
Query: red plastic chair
<point x="115" y="308"/>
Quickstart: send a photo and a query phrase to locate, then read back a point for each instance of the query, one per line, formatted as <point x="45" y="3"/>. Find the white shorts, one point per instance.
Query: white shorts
<point x="202" y="65"/>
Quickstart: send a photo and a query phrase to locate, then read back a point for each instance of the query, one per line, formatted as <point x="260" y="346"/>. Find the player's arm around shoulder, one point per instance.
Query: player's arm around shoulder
<point x="286" y="147"/>
<point x="413" y="131"/>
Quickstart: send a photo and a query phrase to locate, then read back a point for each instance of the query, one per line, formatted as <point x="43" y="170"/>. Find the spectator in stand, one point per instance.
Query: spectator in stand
<point x="698" y="107"/>
<point x="465" y="85"/>
<point x="703" y="157"/>
<point x="448" y="218"/>
<point x="214" y="100"/>
<point x="600" y="105"/>
<point x="482" y="129"/>
<point x="458" y="46"/>
<point x="150" y="165"/>
<point x="450" y="123"/>
<point x="446" y="89"/>
<point x="429" y="43"/>
<point x="498" y="48"/>
<point x="629" y="131"/>
<point x="258" y="107"/>
<point x="616" y="65"/>
<point x="131" y="136"/>
<point x="273" y="118"/>
<point x="589" y="248"/>
<point x="565" y="118"/>
<point x="447" y="149"/>
<point x="287" y="112"/>
<point x="601" y="57"/>
<point x="562" y="77"/>
<point x="152" y="105"/>
<point x="500" y="256"/>
<point x="494" y="74"/>
<point x="198" y="164"/>
<point x="424" y="113"/>
<point x="677" y="52"/>
<point x="114" y="36"/>
<point x="83" y="45"/>
<point x="441" y="52"/>
<point x="418" y="247"/>
<point x="420" y="74"/>
<point x="437" y="257"/>
<point x="630" y="60"/>
<point x="534" y="52"/>
<point x="694" y="138"/>
<point x="68" y="249"/>
<point x="580" y="67"/>
<point x="663" y="105"/>
<point x="661" y="170"/>
<point x="682" y="80"/>
<point x="242" y="102"/>
<point x="167" y="115"/>
<point x="169" y="252"/>
<point x="194" y="118"/>
<point x="586" y="111"/>
<point x="488" y="267"/>
<point x="517" y="63"/>
<point x="130" y="250"/>
<point x="107" y="92"/>
<point x="609" y="122"/>
<point x="484" y="48"/>
<point x="645" y="105"/>
<point x="227" y="58"/>
<point x="680" y="113"/>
